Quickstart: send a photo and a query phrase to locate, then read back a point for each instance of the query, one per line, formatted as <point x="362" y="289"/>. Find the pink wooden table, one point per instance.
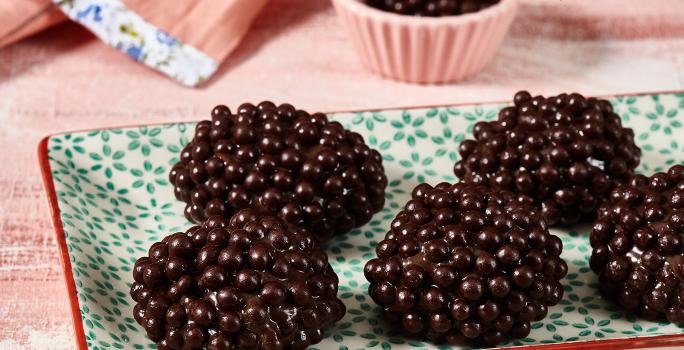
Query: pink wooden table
<point x="65" y="79"/>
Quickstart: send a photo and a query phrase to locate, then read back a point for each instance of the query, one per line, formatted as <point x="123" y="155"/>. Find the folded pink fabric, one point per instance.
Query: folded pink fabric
<point x="186" y="40"/>
<point x="19" y="19"/>
<point x="214" y="27"/>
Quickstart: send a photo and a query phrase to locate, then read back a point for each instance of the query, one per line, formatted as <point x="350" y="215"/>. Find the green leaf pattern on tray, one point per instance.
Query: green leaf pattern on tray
<point x="115" y="200"/>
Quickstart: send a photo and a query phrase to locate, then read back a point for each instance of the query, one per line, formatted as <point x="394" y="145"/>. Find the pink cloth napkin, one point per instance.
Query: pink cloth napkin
<point x="186" y="39"/>
<point x="19" y="19"/>
<point x="213" y="26"/>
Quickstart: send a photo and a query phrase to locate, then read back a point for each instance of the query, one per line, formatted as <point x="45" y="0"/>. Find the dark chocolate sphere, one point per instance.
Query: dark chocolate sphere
<point x="431" y="8"/>
<point x="462" y="261"/>
<point x="567" y="152"/>
<point x="251" y="282"/>
<point x="307" y="170"/>
<point x="638" y="241"/>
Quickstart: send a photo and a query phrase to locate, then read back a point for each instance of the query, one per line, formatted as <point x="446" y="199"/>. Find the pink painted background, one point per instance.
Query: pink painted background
<point x="297" y="52"/>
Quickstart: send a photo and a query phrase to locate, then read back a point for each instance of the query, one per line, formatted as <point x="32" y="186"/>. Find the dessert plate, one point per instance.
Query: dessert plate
<point x="110" y="200"/>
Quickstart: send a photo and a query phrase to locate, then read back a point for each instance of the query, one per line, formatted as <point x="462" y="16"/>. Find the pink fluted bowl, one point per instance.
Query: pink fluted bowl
<point x="426" y="50"/>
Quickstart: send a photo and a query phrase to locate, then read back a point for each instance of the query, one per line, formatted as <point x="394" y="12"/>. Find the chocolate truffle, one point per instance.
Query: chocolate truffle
<point x="302" y="167"/>
<point x="463" y="262"/>
<point x="567" y="152"/>
<point x="637" y="246"/>
<point x="431" y="8"/>
<point x="251" y="282"/>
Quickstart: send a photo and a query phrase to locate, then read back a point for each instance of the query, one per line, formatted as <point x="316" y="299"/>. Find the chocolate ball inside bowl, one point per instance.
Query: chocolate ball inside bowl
<point x="638" y="246"/>
<point x="251" y="282"/>
<point x="431" y="8"/>
<point x="307" y="170"/>
<point x="566" y="151"/>
<point x="462" y="262"/>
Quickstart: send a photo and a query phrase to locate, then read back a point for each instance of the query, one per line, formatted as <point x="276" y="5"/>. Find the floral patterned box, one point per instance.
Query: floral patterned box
<point x="111" y="199"/>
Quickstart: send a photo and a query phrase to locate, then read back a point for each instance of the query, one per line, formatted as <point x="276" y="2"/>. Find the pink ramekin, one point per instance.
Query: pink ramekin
<point x="428" y="50"/>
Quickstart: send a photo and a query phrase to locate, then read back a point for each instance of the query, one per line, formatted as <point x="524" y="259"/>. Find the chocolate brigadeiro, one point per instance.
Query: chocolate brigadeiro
<point x="307" y="170"/>
<point x="431" y="8"/>
<point x="638" y="246"/>
<point x="461" y="261"/>
<point x="567" y="152"/>
<point x="251" y="282"/>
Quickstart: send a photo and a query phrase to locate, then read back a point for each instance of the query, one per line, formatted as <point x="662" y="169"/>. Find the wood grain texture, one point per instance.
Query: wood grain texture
<point x="64" y="79"/>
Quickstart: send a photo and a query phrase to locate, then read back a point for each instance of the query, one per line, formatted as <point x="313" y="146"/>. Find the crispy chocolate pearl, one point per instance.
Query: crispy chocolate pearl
<point x="251" y="282"/>
<point x="638" y="241"/>
<point x="286" y="162"/>
<point x="567" y="152"/>
<point x="461" y="261"/>
<point x="431" y="8"/>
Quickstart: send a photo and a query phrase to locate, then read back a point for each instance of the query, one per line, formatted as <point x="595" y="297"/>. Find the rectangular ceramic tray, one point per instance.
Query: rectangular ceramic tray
<point x="110" y="199"/>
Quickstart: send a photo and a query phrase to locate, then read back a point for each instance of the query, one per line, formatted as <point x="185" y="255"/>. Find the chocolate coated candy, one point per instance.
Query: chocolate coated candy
<point x="299" y="166"/>
<point x="431" y="8"/>
<point x="463" y="262"/>
<point x="567" y="152"/>
<point x="638" y="245"/>
<point x="253" y="282"/>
